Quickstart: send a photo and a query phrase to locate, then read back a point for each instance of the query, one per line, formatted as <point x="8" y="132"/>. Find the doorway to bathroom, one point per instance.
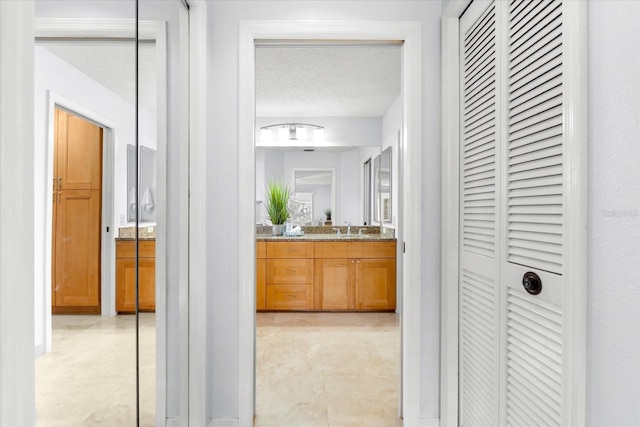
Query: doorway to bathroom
<point x="408" y="263"/>
<point x="328" y="325"/>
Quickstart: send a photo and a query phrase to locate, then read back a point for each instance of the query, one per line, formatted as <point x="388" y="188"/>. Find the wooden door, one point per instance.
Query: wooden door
<point x="375" y="284"/>
<point x="335" y="284"/>
<point x="77" y="206"/>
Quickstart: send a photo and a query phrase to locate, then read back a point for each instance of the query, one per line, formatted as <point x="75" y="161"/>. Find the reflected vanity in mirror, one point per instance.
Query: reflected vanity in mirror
<point x="382" y="187"/>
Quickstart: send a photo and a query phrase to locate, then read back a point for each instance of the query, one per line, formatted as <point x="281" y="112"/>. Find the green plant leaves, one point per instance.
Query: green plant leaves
<point x="277" y="201"/>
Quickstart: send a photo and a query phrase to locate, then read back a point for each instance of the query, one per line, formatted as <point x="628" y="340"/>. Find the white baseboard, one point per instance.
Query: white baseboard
<point x="224" y="422"/>
<point x="40" y="350"/>
<point x="172" y="422"/>
<point x="430" y="422"/>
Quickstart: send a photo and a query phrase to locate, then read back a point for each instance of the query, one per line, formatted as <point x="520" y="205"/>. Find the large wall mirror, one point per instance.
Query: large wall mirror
<point x="321" y="178"/>
<point x="148" y="179"/>
<point x="382" y="187"/>
<point x="314" y="191"/>
<point x="100" y="72"/>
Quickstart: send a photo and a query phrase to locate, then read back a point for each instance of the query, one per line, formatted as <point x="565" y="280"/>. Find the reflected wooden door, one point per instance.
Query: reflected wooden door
<point x="77" y="209"/>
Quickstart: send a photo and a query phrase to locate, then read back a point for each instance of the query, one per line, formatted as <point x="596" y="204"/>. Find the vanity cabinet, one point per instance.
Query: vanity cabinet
<point x="326" y="276"/>
<point x="355" y="276"/>
<point x="126" y="276"/>
<point x="261" y="276"/>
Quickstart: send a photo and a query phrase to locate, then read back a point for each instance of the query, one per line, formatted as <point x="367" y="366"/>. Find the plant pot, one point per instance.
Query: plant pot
<point x="277" y="229"/>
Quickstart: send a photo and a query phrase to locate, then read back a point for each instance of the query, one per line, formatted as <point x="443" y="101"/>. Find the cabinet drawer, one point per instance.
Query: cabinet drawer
<point x="289" y="297"/>
<point x="336" y="250"/>
<point x="127" y="248"/>
<point x="379" y="250"/>
<point x="289" y="271"/>
<point x="289" y="249"/>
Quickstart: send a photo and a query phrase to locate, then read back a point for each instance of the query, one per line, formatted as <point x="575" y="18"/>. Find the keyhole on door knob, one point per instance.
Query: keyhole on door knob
<point x="532" y="283"/>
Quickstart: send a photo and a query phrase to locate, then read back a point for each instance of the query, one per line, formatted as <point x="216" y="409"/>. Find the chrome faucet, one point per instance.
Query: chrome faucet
<point x="348" y="228"/>
<point x="360" y="232"/>
<point x="337" y="230"/>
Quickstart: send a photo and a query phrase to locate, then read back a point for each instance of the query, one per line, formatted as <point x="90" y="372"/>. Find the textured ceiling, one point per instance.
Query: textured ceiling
<point x="291" y="80"/>
<point x="112" y="64"/>
<point x="326" y="80"/>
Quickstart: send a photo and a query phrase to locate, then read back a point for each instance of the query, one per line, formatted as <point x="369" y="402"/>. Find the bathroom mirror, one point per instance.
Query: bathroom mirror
<point x="131" y="183"/>
<point x="382" y="187"/>
<point x="147" y="184"/>
<point x="313" y="193"/>
<point x="346" y="196"/>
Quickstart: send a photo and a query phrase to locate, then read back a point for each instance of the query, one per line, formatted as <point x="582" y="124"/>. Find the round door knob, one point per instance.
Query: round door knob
<point x="532" y="283"/>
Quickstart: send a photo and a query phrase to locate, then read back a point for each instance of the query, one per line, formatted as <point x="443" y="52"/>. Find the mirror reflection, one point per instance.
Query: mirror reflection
<point x="322" y="180"/>
<point x="314" y="191"/>
<point x="383" y="200"/>
<point x="85" y="130"/>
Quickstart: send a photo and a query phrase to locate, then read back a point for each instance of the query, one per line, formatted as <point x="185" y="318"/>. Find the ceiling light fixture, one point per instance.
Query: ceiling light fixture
<point x="291" y="131"/>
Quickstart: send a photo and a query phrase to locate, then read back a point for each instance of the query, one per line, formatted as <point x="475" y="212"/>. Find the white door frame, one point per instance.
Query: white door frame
<point x="107" y="245"/>
<point x="410" y="33"/>
<point x="148" y="30"/>
<point x="575" y="208"/>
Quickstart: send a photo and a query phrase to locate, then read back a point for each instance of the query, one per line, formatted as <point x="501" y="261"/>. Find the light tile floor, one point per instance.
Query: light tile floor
<point x="327" y="369"/>
<point x="313" y="369"/>
<point x="89" y="376"/>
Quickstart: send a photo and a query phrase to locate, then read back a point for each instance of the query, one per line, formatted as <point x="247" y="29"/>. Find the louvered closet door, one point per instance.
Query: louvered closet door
<point x="479" y="258"/>
<point x="511" y="214"/>
<point x="534" y="214"/>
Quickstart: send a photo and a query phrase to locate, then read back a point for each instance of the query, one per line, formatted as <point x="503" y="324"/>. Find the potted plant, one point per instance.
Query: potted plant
<point x="327" y="213"/>
<point x="277" y="203"/>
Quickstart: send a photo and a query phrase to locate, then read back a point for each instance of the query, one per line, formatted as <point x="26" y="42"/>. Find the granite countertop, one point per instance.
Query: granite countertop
<point x="328" y="234"/>
<point x="133" y="238"/>
<point x="144" y="233"/>
<point x="325" y="238"/>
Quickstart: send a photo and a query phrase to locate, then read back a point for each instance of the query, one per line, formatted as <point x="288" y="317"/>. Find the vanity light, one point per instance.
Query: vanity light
<point x="266" y="135"/>
<point x="291" y="131"/>
<point x="283" y="132"/>
<point x="301" y="132"/>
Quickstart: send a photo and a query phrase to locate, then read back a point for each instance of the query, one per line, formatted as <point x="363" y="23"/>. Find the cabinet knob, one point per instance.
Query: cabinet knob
<point x="532" y="283"/>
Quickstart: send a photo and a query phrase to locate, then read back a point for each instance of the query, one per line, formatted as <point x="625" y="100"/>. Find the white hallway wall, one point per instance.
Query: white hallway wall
<point x="613" y="341"/>
<point x="222" y="180"/>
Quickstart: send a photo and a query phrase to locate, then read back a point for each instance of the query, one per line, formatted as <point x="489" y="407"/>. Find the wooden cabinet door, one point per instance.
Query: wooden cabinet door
<point x="126" y="287"/>
<point x="77" y="248"/>
<point x="261" y="284"/>
<point x="375" y="284"/>
<point x="77" y="215"/>
<point x="335" y="284"/>
<point x="78" y="153"/>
